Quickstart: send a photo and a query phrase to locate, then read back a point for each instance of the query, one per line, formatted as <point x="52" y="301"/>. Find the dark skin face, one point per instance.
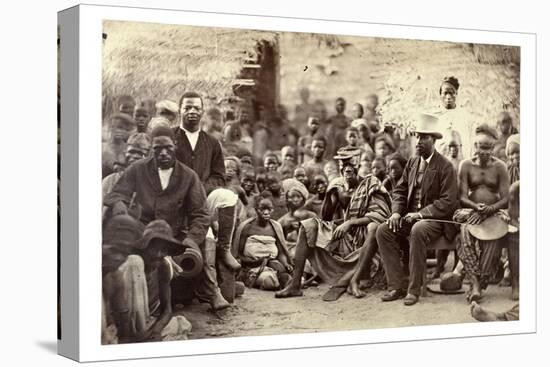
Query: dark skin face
<point x="191" y="113"/>
<point x="318" y="149"/>
<point x="483" y="148"/>
<point x="134" y="153"/>
<point x="273" y="184"/>
<point x="164" y="151"/>
<point x="300" y="175"/>
<point x="313" y="125"/>
<point x="340" y="106"/>
<point x="453" y="151"/>
<point x="154" y="253"/>
<point x="504" y="123"/>
<point x="231" y="169"/>
<point x="352" y="138"/>
<point x="378" y="169"/>
<point x="290" y="156"/>
<point x="247" y="183"/>
<point x="271" y="163"/>
<point x="264" y="209"/>
<point x="396" y="170"/>
<point x="424" y="145"/>
<point x="232" y="133"/>
<point x="142" y="118"/>
<point x="294" y="200"/>
<point x="448" y="96"/>
<point x="321" y="185"/>
<point x="357" y="111"/>
<point x="348" y="172"/>
<point x="121" y="130"/>
<point x="381" y="149"/>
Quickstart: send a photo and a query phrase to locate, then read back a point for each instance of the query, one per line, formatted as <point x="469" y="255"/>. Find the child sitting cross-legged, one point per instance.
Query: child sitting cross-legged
<point x="262" y="250"/>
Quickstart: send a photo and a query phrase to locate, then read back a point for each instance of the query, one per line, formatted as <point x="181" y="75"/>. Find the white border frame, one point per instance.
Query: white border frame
<point x="89" y="152"/>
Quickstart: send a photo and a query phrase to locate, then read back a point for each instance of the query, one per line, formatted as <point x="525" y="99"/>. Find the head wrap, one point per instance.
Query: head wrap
<point x="452" y="81"/>
<point x="158" y="121"/>
<point x="140" y="140"/>
<point x="168" y="105"/>
<point x="292" y="184"/>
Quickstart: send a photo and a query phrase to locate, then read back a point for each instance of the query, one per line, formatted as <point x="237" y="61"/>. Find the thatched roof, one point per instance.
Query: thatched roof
<point x="406" y="74"/>
<point x="159" y="61"/>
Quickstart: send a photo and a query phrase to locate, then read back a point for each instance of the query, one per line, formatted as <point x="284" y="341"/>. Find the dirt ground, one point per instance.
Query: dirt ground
<point x="257" y="312"/>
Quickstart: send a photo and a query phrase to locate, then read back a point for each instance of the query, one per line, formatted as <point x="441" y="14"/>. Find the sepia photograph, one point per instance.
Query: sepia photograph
<point x="262" y="182"/>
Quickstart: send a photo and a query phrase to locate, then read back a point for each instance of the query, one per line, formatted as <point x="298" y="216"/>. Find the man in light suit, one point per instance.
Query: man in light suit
<point x="427" y="190"/>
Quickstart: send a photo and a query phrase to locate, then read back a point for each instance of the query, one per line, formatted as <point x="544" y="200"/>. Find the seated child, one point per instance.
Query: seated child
<point x="395" y="171"/>
<point x="319" y="188"/>
<point x="262" y="250"/>
<point x="365" y="165"/>
<point x="378" y="168"/>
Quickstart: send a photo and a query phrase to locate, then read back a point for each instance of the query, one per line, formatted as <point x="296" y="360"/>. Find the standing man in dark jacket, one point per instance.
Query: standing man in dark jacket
<point x="428" y="189"/>
<point x="167" y="189"/>
<point x="195" y="148"/>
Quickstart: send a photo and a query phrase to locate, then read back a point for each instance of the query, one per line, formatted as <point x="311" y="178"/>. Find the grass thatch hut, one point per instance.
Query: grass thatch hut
<point x="161" y="61"/>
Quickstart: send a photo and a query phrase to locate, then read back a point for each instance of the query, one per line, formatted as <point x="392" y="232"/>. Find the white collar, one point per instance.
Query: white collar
<point x="429" y="158"/>
<point x="187" y="132"/>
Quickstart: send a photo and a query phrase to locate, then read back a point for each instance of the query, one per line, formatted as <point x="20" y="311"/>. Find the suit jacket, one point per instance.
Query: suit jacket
<point x="438" y="192"/>
<point x="182" y="204"/>
<point x="206" y="160"/>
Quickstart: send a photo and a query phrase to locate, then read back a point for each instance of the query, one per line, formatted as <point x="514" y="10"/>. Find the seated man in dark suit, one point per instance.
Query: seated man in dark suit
<point x="167" y="189"/>
<point x="427" y="190"/>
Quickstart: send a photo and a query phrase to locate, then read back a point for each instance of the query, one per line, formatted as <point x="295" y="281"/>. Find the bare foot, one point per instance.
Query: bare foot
<point x="289" y="291"/>
<point x="353" y="289"/>
<point x="475" y="290"/>
<point x="480" y="314"/>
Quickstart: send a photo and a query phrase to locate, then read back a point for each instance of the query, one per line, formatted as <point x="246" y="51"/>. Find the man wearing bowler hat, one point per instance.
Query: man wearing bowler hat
<point x="427" y="190"/>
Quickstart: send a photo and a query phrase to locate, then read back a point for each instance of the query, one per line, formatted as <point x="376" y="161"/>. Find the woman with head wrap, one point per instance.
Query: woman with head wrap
<point x="455" y="122"/>
<point x="334" y="247"/>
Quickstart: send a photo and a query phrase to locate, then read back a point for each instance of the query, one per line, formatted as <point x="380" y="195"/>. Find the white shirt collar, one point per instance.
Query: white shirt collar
<point x="429" y="158"/>
<point x="189" y="132"/>
<point x="192" y="137"/>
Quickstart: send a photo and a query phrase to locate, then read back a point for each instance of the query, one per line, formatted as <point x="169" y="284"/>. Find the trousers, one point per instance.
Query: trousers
<point x="390" y="245"/>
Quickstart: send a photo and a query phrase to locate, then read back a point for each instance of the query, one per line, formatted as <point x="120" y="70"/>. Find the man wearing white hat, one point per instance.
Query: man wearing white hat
<point x="427" y="190"/>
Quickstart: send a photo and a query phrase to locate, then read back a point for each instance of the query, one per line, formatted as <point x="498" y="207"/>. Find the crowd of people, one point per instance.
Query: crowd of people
<point x="192" y="194"/>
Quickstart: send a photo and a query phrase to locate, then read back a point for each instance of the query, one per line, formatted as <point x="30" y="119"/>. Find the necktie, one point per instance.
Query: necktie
<point x="421" y="170"/>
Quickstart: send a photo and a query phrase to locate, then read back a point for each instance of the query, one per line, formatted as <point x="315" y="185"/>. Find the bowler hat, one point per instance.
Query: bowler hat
<point x="451" y="283"/>
<point x="427" y="124"/>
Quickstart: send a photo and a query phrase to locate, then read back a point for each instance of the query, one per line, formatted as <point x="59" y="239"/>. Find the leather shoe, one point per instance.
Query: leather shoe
<point x="410" y="300"/>
<point x="393" y="295"/>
